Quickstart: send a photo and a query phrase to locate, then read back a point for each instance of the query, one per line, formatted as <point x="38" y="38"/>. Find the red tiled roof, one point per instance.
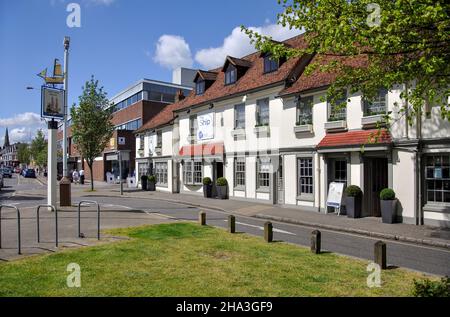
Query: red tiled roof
<point x="354" y="138"/>
<point x="206" y="75"/>
<point x="200" y="150"/>
<point x="254" y="78"/>
<point x="317" y="78"/>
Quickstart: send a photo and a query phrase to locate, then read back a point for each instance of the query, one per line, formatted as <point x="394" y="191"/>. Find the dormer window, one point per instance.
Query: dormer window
<point x="200" y="87"/>
<point x="270" y="64"/>
<point x="230" y="75"/>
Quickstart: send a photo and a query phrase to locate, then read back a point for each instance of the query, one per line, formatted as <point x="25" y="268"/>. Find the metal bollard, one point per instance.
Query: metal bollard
<point x="202" y="218"/>
<point x="19" y="240"/>
<point x="38" y="222"/>
<point x="268" y="232"/>
<point x="380" y="254"/>
<point x="79" y="216"/>
<point x="231" y="224"/>
<point x="316" y="238"/>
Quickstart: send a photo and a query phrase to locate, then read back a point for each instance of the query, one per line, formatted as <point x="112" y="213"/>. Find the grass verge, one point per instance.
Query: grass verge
<point x="184" y="259"/>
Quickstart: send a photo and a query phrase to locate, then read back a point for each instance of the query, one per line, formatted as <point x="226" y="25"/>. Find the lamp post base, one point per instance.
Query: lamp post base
<point x="65" y="192"/>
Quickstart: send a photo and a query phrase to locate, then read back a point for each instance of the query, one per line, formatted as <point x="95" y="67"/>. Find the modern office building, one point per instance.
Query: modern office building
<point x="131" y="108"/>
<point x="268" y="128"/>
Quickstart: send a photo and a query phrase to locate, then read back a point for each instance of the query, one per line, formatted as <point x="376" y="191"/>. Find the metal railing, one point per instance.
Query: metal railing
<point x="56" y="222"/>
<point x="19" y="251"/>
<point x="89" y="202"/>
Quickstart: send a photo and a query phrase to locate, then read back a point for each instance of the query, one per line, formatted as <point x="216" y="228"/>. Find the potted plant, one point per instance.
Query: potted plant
<point x="353" y="201"/>
<point x="222" y="187"/>
<point x="388" y="204"/>
<point x="207" y="187"/>
<point x="151" y="183"/>
<point x="144" y="182"/>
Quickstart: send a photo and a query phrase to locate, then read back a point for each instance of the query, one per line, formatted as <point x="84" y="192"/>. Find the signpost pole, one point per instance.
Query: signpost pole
<point x="51" y="170"/>
<point x="120" y="172"/>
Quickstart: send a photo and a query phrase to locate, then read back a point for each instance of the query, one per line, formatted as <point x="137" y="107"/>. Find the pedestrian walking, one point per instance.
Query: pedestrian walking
<point x="82" y="176"/>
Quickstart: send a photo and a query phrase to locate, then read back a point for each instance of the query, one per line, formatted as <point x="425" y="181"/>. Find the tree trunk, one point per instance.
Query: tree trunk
<point x="92" y="175"/>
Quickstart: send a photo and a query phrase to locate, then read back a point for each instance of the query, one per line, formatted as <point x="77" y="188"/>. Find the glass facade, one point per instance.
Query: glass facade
<point x="131" y="126"/>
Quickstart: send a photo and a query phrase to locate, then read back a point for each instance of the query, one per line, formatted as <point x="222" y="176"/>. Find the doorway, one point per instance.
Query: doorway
<point x="280" y="183"/>
<point x="375" y="180"/>
<point x="217" y="173"/>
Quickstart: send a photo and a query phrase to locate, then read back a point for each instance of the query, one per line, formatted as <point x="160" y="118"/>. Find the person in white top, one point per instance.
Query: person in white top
<point x="75" y="176"/>
<point x="82" y="176"/>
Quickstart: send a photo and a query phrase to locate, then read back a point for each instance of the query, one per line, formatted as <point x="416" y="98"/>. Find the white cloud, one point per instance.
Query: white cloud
<point x="22" y="127"/>
<point x="237" y="44"/>
<point x="172" y="52"/>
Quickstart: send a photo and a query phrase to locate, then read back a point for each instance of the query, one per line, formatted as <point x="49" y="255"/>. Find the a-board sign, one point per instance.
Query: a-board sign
<point x="335" y="194"/>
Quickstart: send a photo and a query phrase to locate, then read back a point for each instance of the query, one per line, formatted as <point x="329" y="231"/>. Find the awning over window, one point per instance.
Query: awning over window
<point x="202" y="150"/>
<point x="356" y="138"/>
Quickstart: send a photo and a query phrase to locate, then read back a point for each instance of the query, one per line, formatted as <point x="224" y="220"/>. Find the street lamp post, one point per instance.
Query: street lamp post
<point x="65" y="184"/>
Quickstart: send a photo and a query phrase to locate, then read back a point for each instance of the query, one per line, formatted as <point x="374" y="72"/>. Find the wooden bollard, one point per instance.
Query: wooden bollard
<point x="380" y="254"/>
<point x="316" y="243"/>
<point x="268" y="231"/>
<point x="202" y="218"/>
<point x="231" y="224"/>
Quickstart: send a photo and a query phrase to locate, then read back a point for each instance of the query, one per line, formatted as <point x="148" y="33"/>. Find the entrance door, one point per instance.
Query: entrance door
<point x="375" y="180"/>
<point x="280" y="183"/>
<point x="217" y="173"/>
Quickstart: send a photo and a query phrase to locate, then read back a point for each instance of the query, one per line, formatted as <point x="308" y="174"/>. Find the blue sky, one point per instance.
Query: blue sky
<point x="119" y="42"/>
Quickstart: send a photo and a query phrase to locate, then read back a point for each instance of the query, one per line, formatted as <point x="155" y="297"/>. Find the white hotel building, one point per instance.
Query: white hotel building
<point x="266" y="128"/>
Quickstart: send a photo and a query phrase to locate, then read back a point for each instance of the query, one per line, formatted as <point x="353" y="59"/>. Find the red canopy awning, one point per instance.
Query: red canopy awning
<point x="202" y="150"/>
<point x="356" y="138"/>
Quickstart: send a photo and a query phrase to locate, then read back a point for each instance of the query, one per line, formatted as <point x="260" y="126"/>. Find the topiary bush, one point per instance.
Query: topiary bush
<point x="387" y="194"/>
<point x="353" y="191"/>
<point x="221" y="181"/>
<point x="152" y="178"/>
<point x="427" y="288"/>
<point x="207" y="181"/>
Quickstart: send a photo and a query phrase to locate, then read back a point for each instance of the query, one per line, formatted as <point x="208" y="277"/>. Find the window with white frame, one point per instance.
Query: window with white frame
<point x="262" y="112"/>
<point x="305" y="184"/>
<point x="338" y="110"/>
<point x="437" y="177"/>
<point x="230" y="75"/>
<point x="304" y="110"/>
<point x="376" y="106"/>
<point x="160" y="171"/>
<point x="193" y="173"/>
<point x="141" y="141"/>
<point x="159" y="138"/>
<point x="239" y="172"/>
<point x="263" y="173"/>
<point x="239" y="116"/>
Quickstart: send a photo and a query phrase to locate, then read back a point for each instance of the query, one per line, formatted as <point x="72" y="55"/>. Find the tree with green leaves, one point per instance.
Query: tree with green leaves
<point x="404" y="42"/>
<point x="91" y="123"/>
<point x="23" y="153"/>
<point x="38" y="150"/>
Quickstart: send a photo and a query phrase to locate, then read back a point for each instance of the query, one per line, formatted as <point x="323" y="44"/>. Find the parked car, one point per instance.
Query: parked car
<point x="29" y="173"/>
<point x="17" y="170"/>
<point x="6" y="172"/>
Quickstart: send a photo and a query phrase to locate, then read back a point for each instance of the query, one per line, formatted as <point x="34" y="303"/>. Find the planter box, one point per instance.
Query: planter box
<point x="371" y="121"/>
<point x="151" y="186"/>
<point x="388" y="210"/>
<point x="303" y="128"/>
<point x="336" y="125"/>
<point x="238" y="133"/>
<point x="222" y="192"/>
<point x="353" y="206"/>
<point x="207" y="191"/>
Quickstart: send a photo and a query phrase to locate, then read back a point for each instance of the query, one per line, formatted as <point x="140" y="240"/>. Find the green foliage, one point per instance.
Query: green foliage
<point x="38" y="149"/>
<point x="353" y="191"/>
<point x="387" y="194"/>
<point x="221" y="181"/>
<point x="207" y="181"/>
<point x="91" y="123"/>
<point x="406" y="42"/>
<point x="23" y="153"/>
<point x="428" y="288"/>
<point x="152" y="179"/>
